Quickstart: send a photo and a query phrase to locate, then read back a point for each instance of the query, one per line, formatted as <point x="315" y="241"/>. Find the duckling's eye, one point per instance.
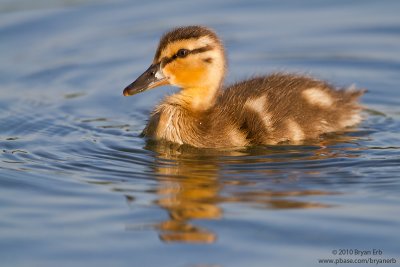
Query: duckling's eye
<point x="182" y="52"/>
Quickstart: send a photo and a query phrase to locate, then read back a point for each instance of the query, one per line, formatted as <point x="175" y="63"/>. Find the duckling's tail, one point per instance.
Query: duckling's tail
<point x="351" y="107"/>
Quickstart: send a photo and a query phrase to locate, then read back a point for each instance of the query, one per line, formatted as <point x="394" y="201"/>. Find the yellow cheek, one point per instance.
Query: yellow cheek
<point x="185" y="75"/>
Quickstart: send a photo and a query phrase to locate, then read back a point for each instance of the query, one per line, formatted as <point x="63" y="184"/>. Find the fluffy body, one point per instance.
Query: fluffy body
<point x="263" y="110"/>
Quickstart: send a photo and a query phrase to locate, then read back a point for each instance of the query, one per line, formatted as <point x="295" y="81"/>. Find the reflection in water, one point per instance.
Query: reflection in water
<point x="188" y="190"/>
<point x="191" y="186"/>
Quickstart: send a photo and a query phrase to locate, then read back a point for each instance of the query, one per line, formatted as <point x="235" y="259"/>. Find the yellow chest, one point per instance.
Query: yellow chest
<point x="165" y="125"/>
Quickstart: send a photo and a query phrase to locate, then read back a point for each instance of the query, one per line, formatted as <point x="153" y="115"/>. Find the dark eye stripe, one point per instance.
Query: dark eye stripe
<point x="167" y="60"/>
<point x="202" y="49"/>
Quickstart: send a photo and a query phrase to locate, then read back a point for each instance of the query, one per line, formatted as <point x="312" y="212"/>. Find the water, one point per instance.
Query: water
<point x="78" y="187"/>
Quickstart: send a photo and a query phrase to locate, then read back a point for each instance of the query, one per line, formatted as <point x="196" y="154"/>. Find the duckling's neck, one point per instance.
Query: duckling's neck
<point x="197" y="98"/>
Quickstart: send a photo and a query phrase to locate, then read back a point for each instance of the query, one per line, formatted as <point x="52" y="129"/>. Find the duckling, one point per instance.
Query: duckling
<point x="265" y="110"/>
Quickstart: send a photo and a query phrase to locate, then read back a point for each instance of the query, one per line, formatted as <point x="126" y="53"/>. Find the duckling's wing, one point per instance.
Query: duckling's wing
<point x="284" y="107"/>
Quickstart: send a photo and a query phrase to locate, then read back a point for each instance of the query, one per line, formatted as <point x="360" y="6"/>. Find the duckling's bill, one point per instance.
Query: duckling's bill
<point x="151" y="78"/>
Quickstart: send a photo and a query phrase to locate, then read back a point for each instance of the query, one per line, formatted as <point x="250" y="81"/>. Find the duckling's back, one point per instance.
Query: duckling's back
<point x="284" y="108"/>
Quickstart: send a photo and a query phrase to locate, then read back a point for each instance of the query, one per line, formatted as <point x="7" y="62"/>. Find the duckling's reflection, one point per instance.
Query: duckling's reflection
<point x="190" y="187"/>
<point x="188" y="190"/>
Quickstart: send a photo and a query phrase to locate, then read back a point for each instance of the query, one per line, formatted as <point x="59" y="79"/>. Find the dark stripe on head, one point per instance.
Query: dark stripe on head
<point x="184" y="33"/>
<point x="208" y="60"/>
<point x="202" y="49"/>
<point x="167" y="60"/>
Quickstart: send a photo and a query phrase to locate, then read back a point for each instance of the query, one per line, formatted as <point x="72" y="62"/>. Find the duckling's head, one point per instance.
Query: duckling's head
<point x="191" y="58"/>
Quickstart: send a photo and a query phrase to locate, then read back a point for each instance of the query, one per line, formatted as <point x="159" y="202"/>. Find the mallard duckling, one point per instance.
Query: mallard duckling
<point x="263" y="110"/>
